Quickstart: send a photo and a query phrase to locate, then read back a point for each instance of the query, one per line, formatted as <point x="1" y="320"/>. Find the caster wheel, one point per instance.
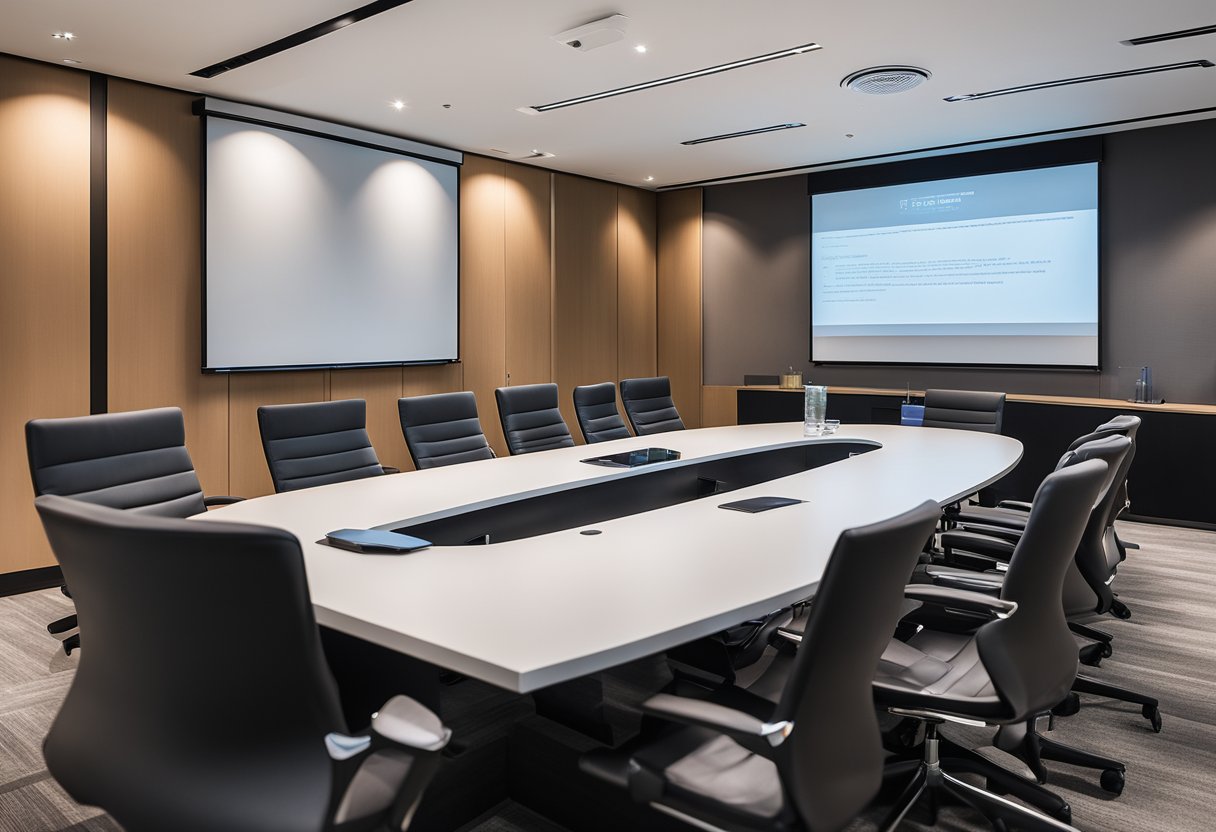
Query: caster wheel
<point x="1106" y="650"/>
<point x="1091" y="661"/>
<point x="1113" y="781"/>
<point x="1119" y="610"/>
<point x="1068" y="707"/>
<point x="1065" y="814"/>
<point x="1153" y="714"/>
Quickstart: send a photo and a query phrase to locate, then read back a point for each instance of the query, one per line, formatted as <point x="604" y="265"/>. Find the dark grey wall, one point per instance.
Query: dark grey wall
<point x="1158" y="227"/>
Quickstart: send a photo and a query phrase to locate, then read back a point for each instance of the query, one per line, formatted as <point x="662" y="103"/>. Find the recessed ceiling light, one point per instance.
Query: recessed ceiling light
<point x="397" y="105"/>
<point x="63" y="36"/>
<point x="755" y="131"/>
<point x="673" y="79"/>
<point x="848" y="135"/>
<point x="649" y="178"/>
<point x="640" y="49"/>
<point x="1084" y="79"/>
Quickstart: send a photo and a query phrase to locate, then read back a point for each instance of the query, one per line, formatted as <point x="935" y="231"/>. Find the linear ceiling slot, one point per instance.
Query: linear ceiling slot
<point x="301" y="37"/>
<point x="1181" y="33"/>
<point x="674" y="79"/>
<point x="1084" y="79"/>
<point x="753" y="132"/>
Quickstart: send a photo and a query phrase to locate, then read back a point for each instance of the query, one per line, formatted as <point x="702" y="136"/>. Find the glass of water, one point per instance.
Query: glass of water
<point x="815" y="409"/>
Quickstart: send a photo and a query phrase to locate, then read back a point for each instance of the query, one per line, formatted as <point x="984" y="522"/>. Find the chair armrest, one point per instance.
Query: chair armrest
<point x="389" y="765"/>
<point x="388" y="469"/>
<point x="961" y="599"/>
<point x="406" y="722"/>
<point x="221" y="500"/>
<point x="1016" y="505"/>
<point x="981" y="544"/>
<point x="749" y="731"/>
<point x="991" y="530"/>
<point x="979" y="582"/>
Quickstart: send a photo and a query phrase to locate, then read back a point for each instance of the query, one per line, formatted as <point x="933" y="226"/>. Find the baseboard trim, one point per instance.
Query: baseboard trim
<point x="1168" y="521"/>
<point x="29" y="580"/>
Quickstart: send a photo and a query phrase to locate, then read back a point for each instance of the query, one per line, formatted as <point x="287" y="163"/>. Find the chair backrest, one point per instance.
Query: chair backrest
<point x="530" y="418"/>
<point x="598" y="418"/>
<point x="317" y="443"/>
<point x="443" y="429"/>
<point x="964" y="410"/>
<point x="1087" y="586"/>
<point x="136" y="461"/>
<point x="197" y="725"/>
<point x="1124" y="425"/>
<point x="831" y="765"/>
<point x="1031" y="656"/>
<point x="649" y="406"/>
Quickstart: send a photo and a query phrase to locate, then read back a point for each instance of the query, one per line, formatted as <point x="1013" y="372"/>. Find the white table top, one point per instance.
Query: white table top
<point x="528" y="613"/>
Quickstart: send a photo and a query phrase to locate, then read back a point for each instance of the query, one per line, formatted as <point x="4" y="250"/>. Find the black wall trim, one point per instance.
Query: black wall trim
<point x="29" y="580"/>
<point x="99" y="335"/>
<point x="300" y="37"/>
<point x="999" y="160"/>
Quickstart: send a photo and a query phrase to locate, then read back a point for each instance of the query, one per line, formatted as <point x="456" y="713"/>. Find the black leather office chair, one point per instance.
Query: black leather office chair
<point x="1087" y="591"/>
<point x="649" y="406"/>
<point x="236" y="732"/>
<point x="964" y="410"/>
<point x="814" y="761"/>
<point x="531" y="420"/>
<point x="598" y="418"/>
<point x="1012" y="513"/>
<point x="443" y="429"/>
<point x="135" y="461"/>
<point x="318" y="443"/>
<point x="1013" y="668"/>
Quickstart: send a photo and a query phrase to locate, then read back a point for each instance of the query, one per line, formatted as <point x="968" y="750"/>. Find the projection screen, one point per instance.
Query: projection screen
<point x="325" y="253"/>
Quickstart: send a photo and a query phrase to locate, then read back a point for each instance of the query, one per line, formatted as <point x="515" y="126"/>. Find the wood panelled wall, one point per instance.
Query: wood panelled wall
<point x="44" y="278"/>
<point x="559" y="282"/>
<point x="679" y="304"/>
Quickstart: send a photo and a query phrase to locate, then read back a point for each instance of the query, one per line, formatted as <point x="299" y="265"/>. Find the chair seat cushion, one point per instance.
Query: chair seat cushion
<point x="937" y="671"/>
<point x="724" y="772"/>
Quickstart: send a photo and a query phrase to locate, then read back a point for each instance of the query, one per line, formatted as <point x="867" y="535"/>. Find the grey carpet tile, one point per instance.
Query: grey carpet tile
<point x="1167" y="649"/>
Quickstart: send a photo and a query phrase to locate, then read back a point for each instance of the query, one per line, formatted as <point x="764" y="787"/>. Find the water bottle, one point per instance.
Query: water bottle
<point x="815" y="409"/>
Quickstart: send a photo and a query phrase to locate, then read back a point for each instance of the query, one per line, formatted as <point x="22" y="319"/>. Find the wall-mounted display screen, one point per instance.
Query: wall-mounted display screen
<point x="325" y="253"/>
<point x="995" y="269"/>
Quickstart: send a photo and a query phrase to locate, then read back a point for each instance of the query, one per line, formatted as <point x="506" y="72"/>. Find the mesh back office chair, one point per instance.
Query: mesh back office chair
<point x="443" y="429"/>
<point x="135" y="461"/>
<point x="531" y="420"/>
<point x="964" y="410"/>
<point x="317" y="443"/>
<point x="598" y="418"/>
<point x="227" y="734"/>
<point x="814" y="761"/>
<point x="649" y="406"/>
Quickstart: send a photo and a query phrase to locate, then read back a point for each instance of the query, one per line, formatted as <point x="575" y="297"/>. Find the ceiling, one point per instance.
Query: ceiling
<point x="487" y="58"/>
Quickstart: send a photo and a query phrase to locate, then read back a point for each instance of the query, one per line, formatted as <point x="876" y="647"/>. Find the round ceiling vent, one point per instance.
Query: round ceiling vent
<point x="886" y="80"/>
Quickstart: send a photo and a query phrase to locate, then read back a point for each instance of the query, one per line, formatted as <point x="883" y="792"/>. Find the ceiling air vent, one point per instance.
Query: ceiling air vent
<point x="886" y="80"/>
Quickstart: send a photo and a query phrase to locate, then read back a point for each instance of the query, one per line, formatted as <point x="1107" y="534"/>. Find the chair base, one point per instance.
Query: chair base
<point x="1032" y="748"/>
<point x="1150" y="707"/>
<point x="931" y="778"/>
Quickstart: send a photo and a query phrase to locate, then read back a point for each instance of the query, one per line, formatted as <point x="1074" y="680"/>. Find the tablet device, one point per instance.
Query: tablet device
<point x="758" y="504"/>
<point x="375" y="541"/>
<point x="634" y="459"/>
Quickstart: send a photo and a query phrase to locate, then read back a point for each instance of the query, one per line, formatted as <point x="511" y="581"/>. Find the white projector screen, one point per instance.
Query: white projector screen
<point x="323" y="253"/>
<point x="996" y="269"/>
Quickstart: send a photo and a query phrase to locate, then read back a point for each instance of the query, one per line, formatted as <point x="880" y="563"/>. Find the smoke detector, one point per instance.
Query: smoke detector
<point x="595" y="34"/>
<point x="886" y="80"/>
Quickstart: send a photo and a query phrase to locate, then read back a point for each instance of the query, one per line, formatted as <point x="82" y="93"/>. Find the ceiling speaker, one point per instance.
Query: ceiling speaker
<point x="886" y="80"/>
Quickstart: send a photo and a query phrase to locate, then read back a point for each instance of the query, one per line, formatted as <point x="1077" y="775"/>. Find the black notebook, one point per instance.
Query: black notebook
<point x="758" y="504"/>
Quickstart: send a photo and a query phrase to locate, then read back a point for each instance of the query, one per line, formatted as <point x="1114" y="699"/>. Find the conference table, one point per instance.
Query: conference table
<point x="660" y="567"/>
